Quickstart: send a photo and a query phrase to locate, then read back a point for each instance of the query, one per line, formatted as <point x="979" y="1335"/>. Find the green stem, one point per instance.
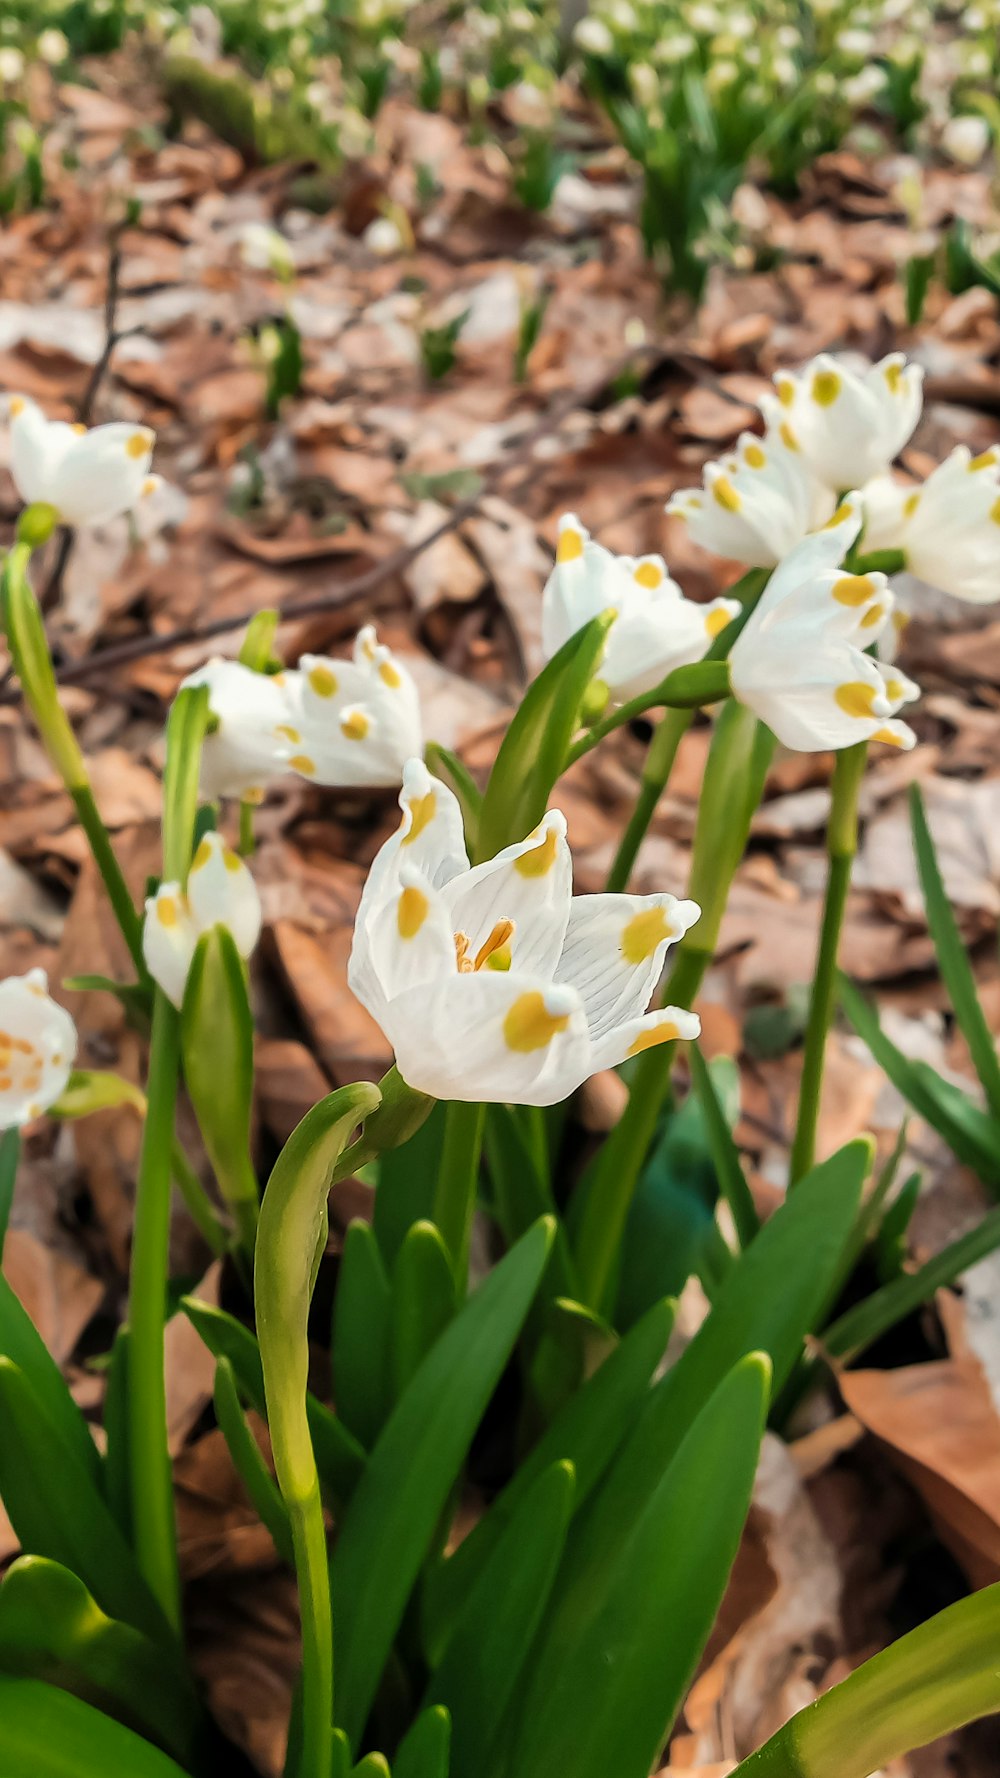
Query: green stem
<point x="458" y="1177"/>
<point x="312" y="1576"/>
<point x="10" y="1154"/>
<point x="195" y="1197"/>
<point x="246" y="830"/>
<point x="111" y="871"/>
<point x="880" y="561"/>
<point x="673" y="725"/>
<point x="150" y="1483"/>
<point x="841" y="845"/>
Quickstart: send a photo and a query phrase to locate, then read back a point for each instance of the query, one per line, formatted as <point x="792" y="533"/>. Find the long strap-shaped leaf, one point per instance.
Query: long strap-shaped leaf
<point x="390" y="1523"/>
<point x="21" y="1342"/>
<point x="603" y="1696"/>
<point x="943" y="1674"/>
<point x="47" y="1733"/>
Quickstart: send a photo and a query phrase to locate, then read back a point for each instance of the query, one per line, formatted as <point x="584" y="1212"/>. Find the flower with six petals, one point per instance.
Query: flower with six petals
<point x="356" y="722"/>
<point x="948" y="527"/>
<point x="220" y="892"/>
<point x="250" y="736"/>
<point x="800" y="663"/>
<point x="89" y="477"/>
<point x="848" y="424"/>
<point x="496" y="983"/>
<point x="655" y="629"/>
<point x="37" y="1047"/>
<point x="757" y="503"/>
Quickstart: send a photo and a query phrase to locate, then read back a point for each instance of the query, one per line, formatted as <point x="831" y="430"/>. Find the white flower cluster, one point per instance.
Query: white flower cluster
<point x="88" y="476"/>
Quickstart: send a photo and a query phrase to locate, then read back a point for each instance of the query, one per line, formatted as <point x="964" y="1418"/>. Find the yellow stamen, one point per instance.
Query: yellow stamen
<point x="498" y="938"/>
<point x="853" y="589"/>
<point x="825" y="387"/>
<point x="539" y="861"/>
<point x="529" y="1025"/>
<point x="855" y="698"/>
<point x="411" y="912"/>
<point x="643" y="933"/>
<point x="570" y="546"/>
<point x="323" y="682"/>
<point x="422" y="810"/>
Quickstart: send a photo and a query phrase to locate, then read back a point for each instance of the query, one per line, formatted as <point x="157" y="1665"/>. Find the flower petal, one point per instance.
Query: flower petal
<point x="169" y="937"/>
<point x="615" y="949"/>
<point x="504" y="1039"/>
<point x="255" y="735"/>
<point x="37" y="1047"/>
<point x="669" y="1025"/>
<point x="222" y="892"/>
<point x="102" y="473"/>
<point x="530" y="883"/>
<point x="411" y="940"/>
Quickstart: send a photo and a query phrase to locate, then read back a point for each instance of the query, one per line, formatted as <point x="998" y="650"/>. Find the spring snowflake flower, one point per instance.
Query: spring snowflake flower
<point x="800" y="662"/>
<point x="37" y="1047"/>
<point x="757" y="503"/>
<point x="965" y="139"/>
<point x="354" y="723"/>
<point x="948" y="527"/>
<point x="220" y="892"/>
<point x="252" y="735"/>
<point x="497" y="983"/>
<point x="656" y="628"/>
<point x="848" y="424"/>
<point x="90" y="477"/>
<point x="263" y="249"/>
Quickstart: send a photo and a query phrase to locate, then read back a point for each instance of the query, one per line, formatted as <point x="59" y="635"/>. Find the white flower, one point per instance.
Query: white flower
<point x="948" y="527"/>
<point x="383" y="237"/>
<point x="496" y="983"/>
<point x="757" y="503"/>
<point x="965" y="139"/>
<point x="656" y="628"/>
<point x="593" y="37"/>
<point x="53" y="46"/>
<point x="855" y="43"/>
<point x="859" y="89"/>
<point x="89" y="477"/>
<point x="263" y="249"/>
<point x="253" y="735"/>
<point x="848" y="424"/>
<point x="800" y="664"/>
<point x="11" y="66"/>
<point x="354" y="723"/>
<point x="37" y="1047"/>
<point x="220" y="892"/>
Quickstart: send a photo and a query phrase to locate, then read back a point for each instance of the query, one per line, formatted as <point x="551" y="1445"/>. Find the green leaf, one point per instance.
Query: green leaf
<point x="423" y="1751"/>
<point x="339" y="1458"/>
<point x="953" y="957"/>
<point x="452" y="771"/>
<point x="493" y="1635"/>
<point x="586" y="1434"/>
<point x="604" y="1693"/>
<point x="890" y="1242"/>
<point x="47" y="1733"/>
<point x="57" y="1511"/>
<point x="136" y="1000"/>
<point x="971" y="1133"/>
<point x="374" y="1765"/>
<point x="772" y="1298"/>
<point x="21" y="1342"/>
<point x="390" y="1523"/>
<point x="362" y="1331"/>
<point x="861" y="1326"/>
<point x="725" y="1154"/>
<point x="52" y="1629"/>
<point x="533" y="752"/>
<point x="117" y="1483"/>
<point x="10" y="1154"/>
<point x="249" y="1462"/>
<point x="96" y="1089"/>
<point x="423" y="1301"/>
<point x="217" y="1050"/>
<point x="406" y="1180"/>
<point x="186" y="727"/>
<point x="932" y="1681"/>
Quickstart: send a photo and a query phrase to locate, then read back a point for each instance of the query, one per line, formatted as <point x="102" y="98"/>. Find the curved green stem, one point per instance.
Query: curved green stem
<point x="149" y="1464"/>
<point x="841" y="845"/>
<point x="458" y="1175"/>
<point x="111" y="871"/>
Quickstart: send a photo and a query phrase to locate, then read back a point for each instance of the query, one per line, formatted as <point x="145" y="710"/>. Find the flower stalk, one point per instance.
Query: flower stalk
<point x="841" y="845"/>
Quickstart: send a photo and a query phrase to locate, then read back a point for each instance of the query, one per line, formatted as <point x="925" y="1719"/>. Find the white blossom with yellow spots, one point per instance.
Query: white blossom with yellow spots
<point x="356" y="722"/>
<point x="800" y="663"/>
<point x="89" y="477"/>
<point x="948" y="527"/>
<point x="252" y="735"/>
<point x="496" y="983"/>
<point x="848" y="424"/>
<point x="757" y="503"/>
<point x="655" y="629"/>
<point x="220" y="892"/>
<point x="37" y="1048"/>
